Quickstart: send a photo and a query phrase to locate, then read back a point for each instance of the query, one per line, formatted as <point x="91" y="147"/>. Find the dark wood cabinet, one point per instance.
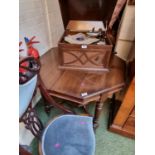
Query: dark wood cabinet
<point x="82" y="17"/>
<point x="91" y="57"/>
<point x="122" y="121"/>
<point x="86" y="10"/>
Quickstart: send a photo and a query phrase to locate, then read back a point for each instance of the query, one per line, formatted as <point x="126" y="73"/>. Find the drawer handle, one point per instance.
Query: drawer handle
<point x="83" y="46"/>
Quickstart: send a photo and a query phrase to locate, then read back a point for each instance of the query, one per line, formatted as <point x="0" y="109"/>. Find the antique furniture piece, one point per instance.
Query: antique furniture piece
<point x="122" y="117"/>
<point x="28" y="75"/>
<point x="80" y="87"/>
<point x="80" y="49"/>
<point x="83" y="16"/>
<point x="27" y="89"/>
<point x="76" y="16"/>
<point x="86" y="10"/>
<point x="68" y="135"/>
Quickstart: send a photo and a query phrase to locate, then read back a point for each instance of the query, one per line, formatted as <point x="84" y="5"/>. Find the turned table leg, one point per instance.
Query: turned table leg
<point x="98" y="109"/>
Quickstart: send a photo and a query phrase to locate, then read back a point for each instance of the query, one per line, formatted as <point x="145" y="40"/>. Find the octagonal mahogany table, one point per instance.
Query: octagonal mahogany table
<point x="82" y="87"/>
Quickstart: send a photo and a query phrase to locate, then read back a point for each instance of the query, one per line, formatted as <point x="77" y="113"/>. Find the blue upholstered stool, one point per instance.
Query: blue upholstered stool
<point x="69" y="135"/>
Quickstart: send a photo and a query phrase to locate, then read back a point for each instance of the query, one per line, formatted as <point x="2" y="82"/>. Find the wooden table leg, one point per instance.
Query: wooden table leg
<point x="49" y="98"/>
<point x="98" y="109"/>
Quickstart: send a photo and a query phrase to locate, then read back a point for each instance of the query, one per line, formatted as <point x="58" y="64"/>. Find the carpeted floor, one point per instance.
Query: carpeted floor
<point x="107" y="143"/>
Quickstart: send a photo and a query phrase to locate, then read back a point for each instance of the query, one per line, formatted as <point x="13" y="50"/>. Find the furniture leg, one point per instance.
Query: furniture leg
<point x="98" y="109"/>
<point x="50" y="99"/>
<point x="111" y="110"/>
<point x="86" y="110"/>
<point x="32" y="122"/>
<point x="47" y="106"/>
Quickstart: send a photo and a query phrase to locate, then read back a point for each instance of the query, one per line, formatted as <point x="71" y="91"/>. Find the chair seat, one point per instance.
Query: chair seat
<point x="25" y="94"/>
<point x="69" y="135"/>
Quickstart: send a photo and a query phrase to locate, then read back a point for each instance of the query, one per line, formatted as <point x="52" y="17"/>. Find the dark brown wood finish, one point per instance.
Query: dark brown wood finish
<point x="90" y="10"/>
<point x="98" y="109"/>
<point x="81" y="87"/>
<point x="131" y="2"/>
<point x="86" y="10"/>
<point x="46" y="95"/>
<point x="92" y="58"/>
<point x="32" y="121"/>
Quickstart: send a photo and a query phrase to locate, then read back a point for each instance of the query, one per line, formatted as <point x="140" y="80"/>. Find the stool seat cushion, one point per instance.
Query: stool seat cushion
<point x="69" y="135"/>
<point x="26" y="91"/>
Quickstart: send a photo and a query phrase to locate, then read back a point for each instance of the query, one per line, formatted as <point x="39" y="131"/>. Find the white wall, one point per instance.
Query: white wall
<point x="40" y="18"/>
<point x="55" y="21"/>
<point x="33" y="22"/>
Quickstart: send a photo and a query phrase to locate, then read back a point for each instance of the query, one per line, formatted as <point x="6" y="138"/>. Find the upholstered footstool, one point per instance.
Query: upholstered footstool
<point x="69" y="135"/>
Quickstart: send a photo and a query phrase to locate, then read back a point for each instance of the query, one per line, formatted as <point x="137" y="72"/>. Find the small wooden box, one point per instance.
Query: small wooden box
<point x="92" y="57"/>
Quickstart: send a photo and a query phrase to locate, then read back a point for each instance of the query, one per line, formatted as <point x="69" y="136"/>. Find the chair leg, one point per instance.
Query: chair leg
<point x="32" y="122"/>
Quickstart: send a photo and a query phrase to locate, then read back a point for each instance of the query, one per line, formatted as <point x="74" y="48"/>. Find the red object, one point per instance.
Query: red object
<point x="25" y="64"/>
<point x="21" y="70"/>
<point x="31" y="50"/>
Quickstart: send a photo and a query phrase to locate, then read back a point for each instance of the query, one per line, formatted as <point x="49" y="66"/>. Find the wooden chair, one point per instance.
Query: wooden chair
<point x="28" y="76"/>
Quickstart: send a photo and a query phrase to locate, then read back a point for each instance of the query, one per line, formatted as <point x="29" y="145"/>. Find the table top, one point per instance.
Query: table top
<point x="80" y="86"/>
